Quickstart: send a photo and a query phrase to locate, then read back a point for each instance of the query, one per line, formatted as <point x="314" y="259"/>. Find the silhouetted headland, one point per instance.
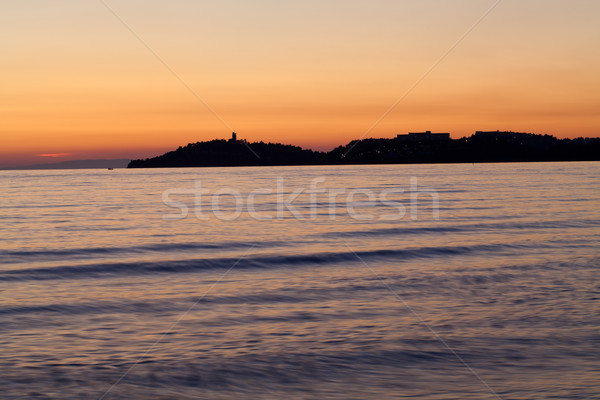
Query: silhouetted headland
<point x="413" y="148"/>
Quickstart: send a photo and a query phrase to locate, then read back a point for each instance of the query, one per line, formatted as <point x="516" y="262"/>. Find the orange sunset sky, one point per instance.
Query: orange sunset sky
<point x="75" y="83"/>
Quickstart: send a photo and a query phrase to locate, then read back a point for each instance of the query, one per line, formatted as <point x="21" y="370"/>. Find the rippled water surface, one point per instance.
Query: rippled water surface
<point x="105" y="293"/>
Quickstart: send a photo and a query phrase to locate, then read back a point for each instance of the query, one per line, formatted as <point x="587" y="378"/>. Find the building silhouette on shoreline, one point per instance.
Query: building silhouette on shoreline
<point x="426" y="136"/>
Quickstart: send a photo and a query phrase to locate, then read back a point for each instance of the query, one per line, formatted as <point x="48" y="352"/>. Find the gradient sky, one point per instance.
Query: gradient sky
<point x="75" y="83"/>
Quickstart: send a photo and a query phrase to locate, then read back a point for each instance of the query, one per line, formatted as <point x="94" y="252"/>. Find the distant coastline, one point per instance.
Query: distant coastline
<point x="411" y="148"/>
<point x="75" y="164"/>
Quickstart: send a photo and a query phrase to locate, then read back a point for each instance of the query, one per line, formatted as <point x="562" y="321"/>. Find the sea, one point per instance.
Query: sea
<point x="453" y="281"/>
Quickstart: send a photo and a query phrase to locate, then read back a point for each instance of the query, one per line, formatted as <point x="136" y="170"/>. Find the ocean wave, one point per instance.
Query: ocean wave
<point x="414" y="284"/>
<point x="23" y="256"/>
<point x="512" y="225"/>
<point x="251" y="262"/>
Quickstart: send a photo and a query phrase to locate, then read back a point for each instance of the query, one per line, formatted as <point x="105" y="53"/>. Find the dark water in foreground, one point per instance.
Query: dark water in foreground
<point x="102" y="297"/>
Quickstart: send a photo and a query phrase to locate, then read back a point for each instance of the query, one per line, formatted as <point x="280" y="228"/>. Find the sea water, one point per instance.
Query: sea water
<point x="351" y="282"/>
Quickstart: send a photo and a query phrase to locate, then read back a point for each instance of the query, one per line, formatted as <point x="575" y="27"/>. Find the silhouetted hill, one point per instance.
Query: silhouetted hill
<point x="481" y="147"/>
<point x="404" y="149"/>
<point x="232" y="153"/>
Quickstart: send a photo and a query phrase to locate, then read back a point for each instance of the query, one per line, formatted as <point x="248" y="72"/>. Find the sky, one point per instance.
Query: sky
<point x="83" y="79"/>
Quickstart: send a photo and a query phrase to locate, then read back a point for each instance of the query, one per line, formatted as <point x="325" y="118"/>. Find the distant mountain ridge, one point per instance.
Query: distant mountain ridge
<point x="81" y="164"/>
<point x="421" y="147"/>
